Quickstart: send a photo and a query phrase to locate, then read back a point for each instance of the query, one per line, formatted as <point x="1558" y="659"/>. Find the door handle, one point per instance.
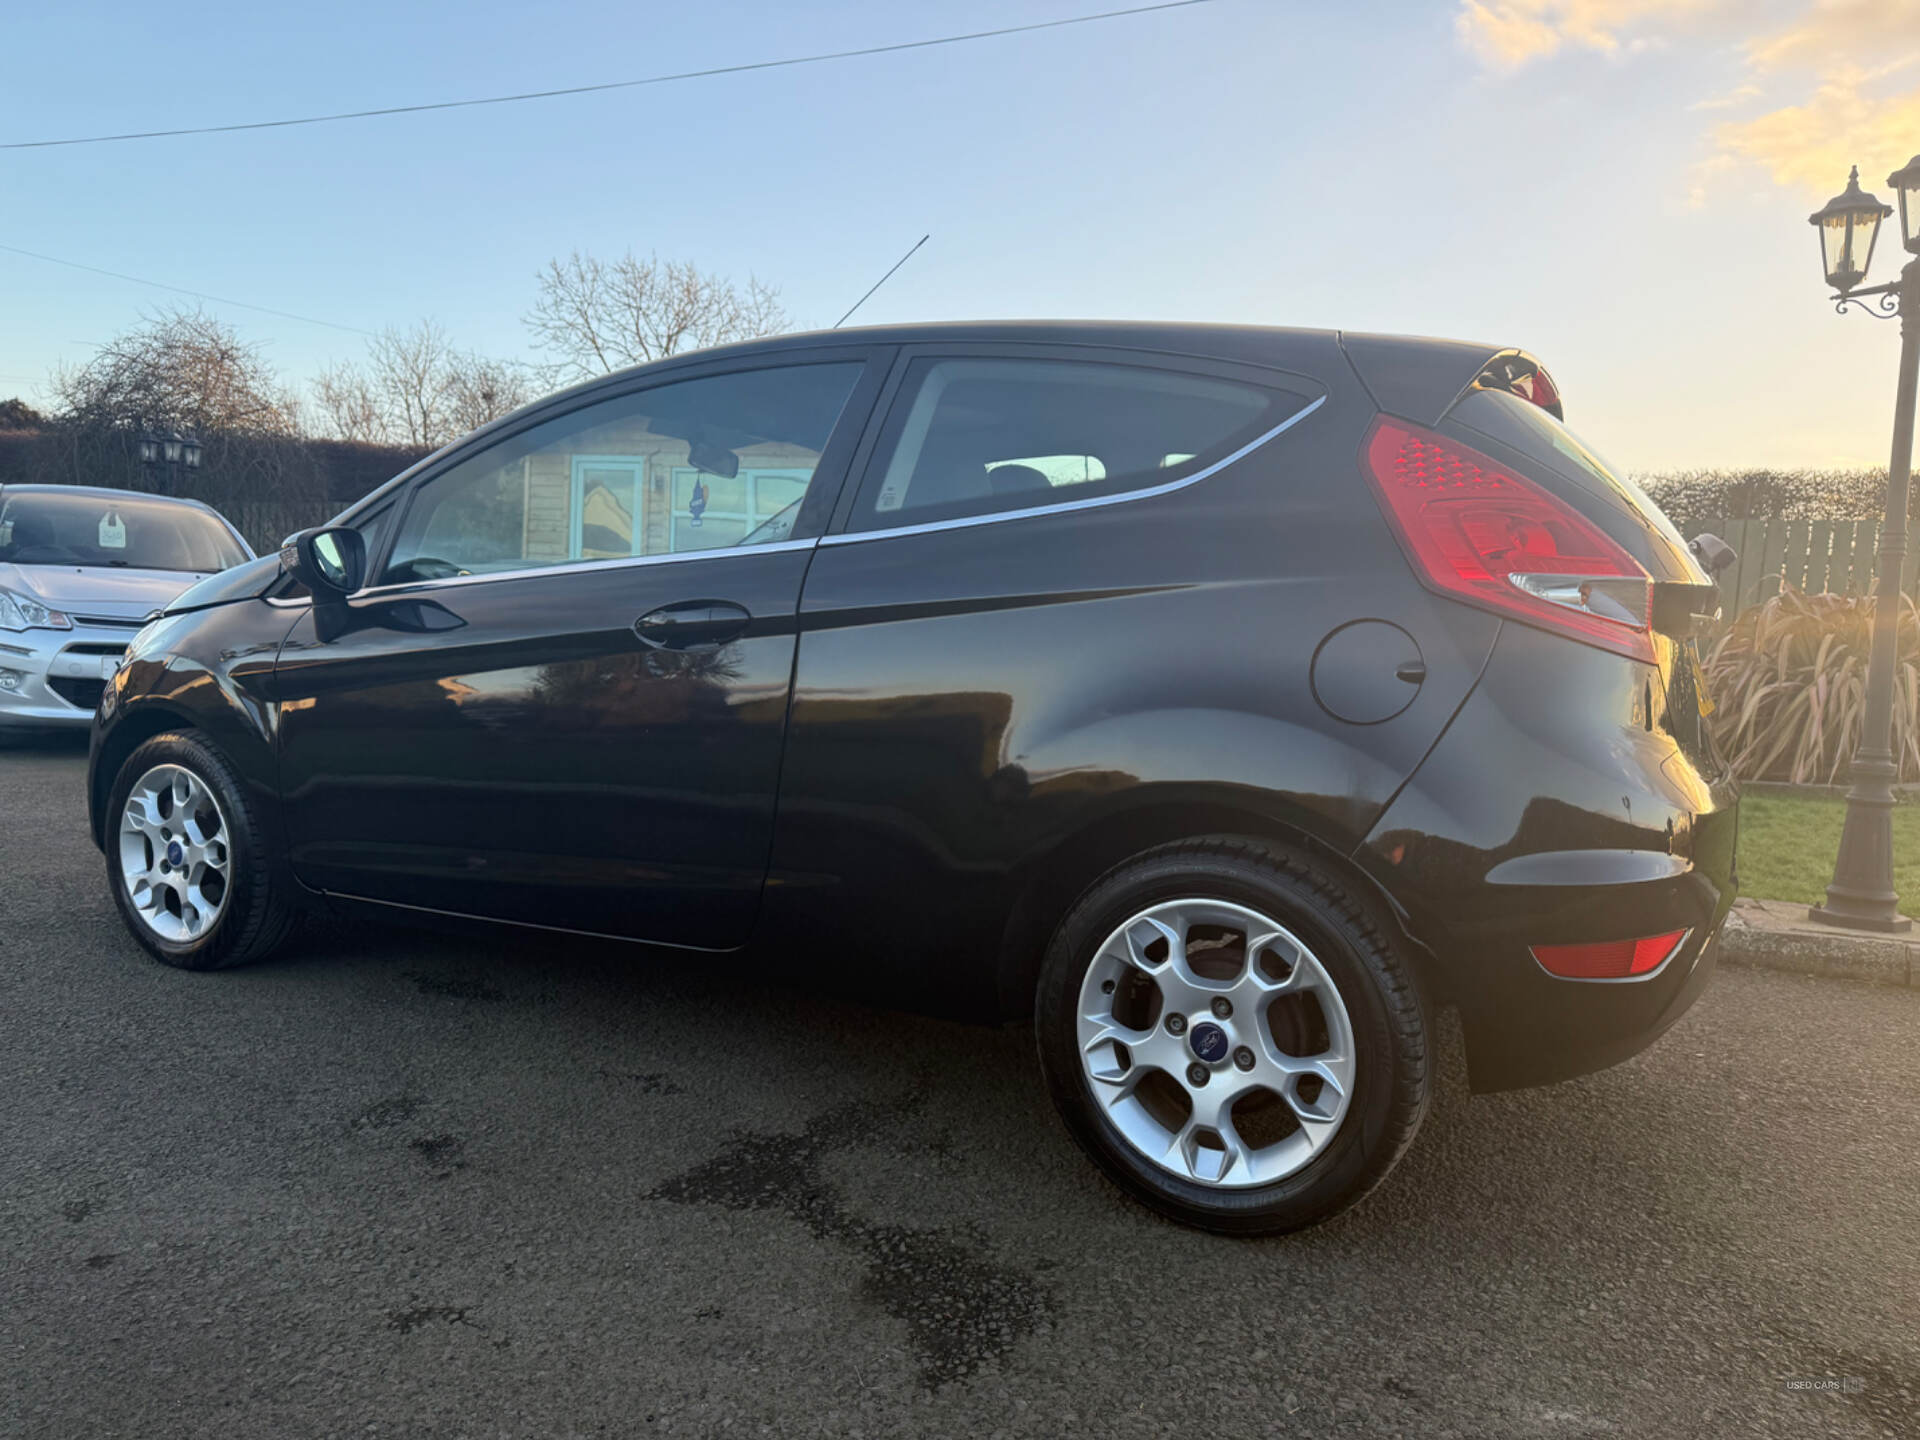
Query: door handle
<point x="692" y="624"/>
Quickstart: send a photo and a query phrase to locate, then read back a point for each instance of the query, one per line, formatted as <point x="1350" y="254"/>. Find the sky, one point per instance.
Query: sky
<point x="1619" y="186"/>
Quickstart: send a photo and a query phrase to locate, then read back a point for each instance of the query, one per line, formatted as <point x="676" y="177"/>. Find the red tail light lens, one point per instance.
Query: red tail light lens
<point x="1476" y="531"/>
<point x="1609" y="959"/>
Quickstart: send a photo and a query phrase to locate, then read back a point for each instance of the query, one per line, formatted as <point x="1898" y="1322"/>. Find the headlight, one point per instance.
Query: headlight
<point x="19" y="612"/>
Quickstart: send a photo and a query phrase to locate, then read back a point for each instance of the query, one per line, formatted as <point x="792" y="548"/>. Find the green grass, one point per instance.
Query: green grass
<point x="1787" y="845"/>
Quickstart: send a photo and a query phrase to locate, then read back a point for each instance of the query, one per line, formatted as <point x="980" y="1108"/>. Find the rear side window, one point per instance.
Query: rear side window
<point x="979" y="436"/>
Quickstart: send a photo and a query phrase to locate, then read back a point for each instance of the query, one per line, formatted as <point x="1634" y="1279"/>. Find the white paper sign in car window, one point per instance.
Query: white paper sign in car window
<point x="113" y="531"/>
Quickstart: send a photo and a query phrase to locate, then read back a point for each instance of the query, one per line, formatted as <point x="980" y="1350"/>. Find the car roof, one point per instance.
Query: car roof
<point x="1223" y="341"/>
<point x="108" y="490"/>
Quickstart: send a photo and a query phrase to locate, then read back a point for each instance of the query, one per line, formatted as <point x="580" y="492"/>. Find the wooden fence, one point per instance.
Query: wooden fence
<point x="1816" y="556"/>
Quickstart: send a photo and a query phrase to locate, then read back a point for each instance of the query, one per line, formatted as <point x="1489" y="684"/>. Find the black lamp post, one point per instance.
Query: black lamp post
<point x="1861" y="896"/>
<point x="164" y="454"/>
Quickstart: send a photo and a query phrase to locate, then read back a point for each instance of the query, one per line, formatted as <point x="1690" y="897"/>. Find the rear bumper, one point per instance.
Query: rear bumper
<point x="1551" y="813"/>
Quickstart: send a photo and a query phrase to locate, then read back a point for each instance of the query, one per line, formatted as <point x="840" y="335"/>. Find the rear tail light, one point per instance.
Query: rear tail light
<point x="1609" y="959"/>
<point x="1477" y="532"/>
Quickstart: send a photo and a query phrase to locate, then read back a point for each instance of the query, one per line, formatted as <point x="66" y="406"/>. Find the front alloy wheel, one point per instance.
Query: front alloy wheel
<point x="1232" y="1034"/>
<point x="184" y="861"/>
<point x="174" y="854"/>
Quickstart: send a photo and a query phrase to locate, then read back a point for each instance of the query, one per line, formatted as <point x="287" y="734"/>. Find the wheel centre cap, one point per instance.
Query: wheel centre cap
<point x="175" y="852"/>
<point x="1209" y="1042"/>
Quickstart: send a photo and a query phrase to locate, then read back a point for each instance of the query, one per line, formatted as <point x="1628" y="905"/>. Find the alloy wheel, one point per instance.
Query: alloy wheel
<point x="175" y="856"/>
<point x="1215" y="1042"/>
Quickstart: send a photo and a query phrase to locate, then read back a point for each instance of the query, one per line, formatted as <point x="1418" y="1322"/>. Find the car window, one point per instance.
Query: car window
<point x="974" y="436"/>
<point x="703" y="464"/>
<point x="121" y="531"/>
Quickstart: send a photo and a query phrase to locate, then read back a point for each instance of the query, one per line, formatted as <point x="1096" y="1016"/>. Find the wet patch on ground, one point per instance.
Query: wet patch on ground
<point x="456" y="987"/>
<point x="962" y="1310"/>
<point x="443" y="1152"/>
<point x="422" y="1317"/>
<point x="646" y="1082"/>
<point x="387" y="1113"/>
<point x="409" y="1320"/>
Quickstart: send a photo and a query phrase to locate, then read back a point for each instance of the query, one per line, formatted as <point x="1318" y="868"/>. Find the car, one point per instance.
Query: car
<point x="1228" y="701"/>
<point x="81" y="570"/>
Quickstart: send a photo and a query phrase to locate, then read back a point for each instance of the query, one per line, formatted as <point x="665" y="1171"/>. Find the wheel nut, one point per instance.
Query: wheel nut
<point x="1176" y="1024"/>
<point x="1243" y="1057"/>
<point x="1222" y="1007"/>
<point x="1106" y="987"/>
<point x="1197" y="1074"/>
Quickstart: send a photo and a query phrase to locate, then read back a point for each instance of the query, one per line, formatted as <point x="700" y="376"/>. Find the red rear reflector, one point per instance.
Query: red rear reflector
<point x="1609" y="959"/>
<point x="1477" y="532"/>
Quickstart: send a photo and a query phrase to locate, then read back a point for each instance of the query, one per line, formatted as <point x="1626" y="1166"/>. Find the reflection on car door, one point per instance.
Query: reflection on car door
<point x="583" y="730"/>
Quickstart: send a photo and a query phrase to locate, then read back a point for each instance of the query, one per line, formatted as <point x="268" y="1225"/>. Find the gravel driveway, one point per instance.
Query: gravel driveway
<point x="399" y="1183"/>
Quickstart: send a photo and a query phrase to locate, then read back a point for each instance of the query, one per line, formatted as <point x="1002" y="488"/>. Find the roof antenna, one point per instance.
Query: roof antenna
<point x="883" y="279"/>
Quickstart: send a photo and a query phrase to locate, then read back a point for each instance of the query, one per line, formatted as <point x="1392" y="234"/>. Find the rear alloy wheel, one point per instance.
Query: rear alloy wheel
<point x="183" y="862"/>
<point x="1232" y="1037"/>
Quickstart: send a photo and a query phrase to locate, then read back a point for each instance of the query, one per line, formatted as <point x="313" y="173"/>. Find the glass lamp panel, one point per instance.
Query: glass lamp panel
<point x="1866" y="228"/>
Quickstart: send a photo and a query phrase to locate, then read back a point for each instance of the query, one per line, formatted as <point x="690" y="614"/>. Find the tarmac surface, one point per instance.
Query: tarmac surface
<point x="406" y="1184"/>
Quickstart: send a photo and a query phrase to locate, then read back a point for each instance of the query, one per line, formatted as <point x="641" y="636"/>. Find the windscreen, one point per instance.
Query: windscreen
<point x="133" y="532"/>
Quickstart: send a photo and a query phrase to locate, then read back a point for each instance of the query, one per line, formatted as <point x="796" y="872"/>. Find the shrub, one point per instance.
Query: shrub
<point x="1692" y="498"/>
<point x="1789" y="681"/>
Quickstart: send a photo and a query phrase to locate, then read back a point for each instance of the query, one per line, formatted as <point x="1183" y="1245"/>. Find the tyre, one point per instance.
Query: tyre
<point x="1232" y="1037"/>
<point x="184" y="859"/>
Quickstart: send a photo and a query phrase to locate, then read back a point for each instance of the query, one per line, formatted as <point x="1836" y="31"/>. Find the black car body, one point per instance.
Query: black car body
<point x="910" y="724"/>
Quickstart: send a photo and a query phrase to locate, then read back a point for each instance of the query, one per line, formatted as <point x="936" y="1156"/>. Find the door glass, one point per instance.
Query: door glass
<point x="702" y="464"/>
<point x="974" y="436"/>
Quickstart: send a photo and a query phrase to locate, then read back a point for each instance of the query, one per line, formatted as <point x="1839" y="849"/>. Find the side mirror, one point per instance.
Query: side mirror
<point x="330" y="561"/>
<point x="1713" y="553"/>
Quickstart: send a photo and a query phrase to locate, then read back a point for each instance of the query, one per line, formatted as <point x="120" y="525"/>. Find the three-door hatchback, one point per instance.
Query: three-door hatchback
<point x="1225" y="699"/>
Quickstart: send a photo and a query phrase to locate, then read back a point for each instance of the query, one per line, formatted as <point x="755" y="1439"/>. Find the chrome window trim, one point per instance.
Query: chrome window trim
<point x="994" y="517"/>
<point x="570" y="567"/>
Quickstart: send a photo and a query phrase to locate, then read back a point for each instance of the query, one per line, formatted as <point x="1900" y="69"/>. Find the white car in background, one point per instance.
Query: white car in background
<point x="81" y="569"/>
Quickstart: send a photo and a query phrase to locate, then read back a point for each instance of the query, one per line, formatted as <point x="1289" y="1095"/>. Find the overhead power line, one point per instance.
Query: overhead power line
<point x="740" y="69"/>
<point x="182" y="290"/>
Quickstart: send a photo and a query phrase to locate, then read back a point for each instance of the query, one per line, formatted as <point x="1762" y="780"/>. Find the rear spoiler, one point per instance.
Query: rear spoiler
<point x="1420" y="380"/>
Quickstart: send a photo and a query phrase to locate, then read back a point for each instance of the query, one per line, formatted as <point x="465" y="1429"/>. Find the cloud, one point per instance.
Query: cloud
<point x="1841" y="77"/>
<point x="1507" y="34"/>
<point x="1862" y="60"/>
<point x="1840" y="32"/>
<point x="1811" y="145"/>
<point x="1734" y="98"/>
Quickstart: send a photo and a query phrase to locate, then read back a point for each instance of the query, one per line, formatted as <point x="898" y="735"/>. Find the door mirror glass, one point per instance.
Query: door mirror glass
<point x="330" y="561"/>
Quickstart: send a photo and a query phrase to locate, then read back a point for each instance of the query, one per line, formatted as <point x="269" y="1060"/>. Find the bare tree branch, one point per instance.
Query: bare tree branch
<point x="416" y="389"/>
<point x="595" y="317"/>
<point x="184" y="369"/>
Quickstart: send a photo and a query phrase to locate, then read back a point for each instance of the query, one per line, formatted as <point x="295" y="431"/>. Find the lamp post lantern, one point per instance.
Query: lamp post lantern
<point x="1861" y="895"/>
<point x="164" y="454"/>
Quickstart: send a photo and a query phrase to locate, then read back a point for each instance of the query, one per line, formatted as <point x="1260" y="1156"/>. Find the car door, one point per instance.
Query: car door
<point x="562" y="699"/>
